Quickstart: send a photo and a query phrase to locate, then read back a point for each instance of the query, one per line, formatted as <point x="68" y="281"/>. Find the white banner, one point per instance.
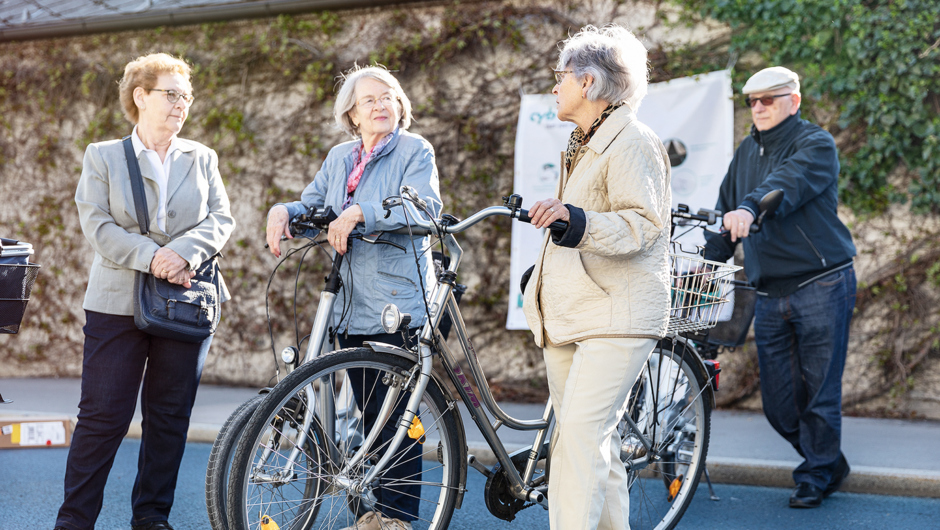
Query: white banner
<point x="694" y="118"/>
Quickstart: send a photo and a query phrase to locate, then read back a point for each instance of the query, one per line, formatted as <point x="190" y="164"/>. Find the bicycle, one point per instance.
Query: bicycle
<point x="321" y="340"/>
<point x="286" y="473"/>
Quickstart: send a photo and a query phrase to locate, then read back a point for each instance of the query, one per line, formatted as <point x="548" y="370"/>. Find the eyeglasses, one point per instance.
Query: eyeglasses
<point x="765" y="100"/>
<point x="560" y="75"/>
<point x="369" y="102"/>
<point x="173" y="96"/>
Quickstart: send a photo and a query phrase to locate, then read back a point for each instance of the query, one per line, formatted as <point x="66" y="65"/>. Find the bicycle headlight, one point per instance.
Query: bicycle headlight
<point x="391" y="318"/>
<point x="289" y="355"/>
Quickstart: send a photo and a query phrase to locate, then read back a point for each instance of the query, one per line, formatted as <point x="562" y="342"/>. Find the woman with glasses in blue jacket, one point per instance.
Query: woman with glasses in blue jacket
<point x="354" y="179"/>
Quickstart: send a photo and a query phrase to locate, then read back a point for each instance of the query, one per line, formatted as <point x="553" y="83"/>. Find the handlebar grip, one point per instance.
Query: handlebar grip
<point x="755" y="228"/>
<point x="415" y="231"/>
<point x="555" y="226"/>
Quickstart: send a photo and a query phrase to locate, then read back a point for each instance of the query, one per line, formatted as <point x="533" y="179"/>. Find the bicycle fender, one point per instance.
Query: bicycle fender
<point x="382" y="347"/>
<point x="694" y="360"/>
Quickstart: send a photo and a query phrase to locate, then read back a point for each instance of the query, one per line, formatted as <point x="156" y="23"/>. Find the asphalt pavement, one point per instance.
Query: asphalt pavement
<point x="31" y="491"/>
<point x="888" y="457"/>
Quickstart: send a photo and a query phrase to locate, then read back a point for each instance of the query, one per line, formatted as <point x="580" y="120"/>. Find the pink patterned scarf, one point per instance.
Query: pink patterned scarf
<point x="352" y="181"/>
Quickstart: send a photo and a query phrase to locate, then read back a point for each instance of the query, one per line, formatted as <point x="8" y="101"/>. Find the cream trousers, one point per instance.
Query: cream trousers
<point x="589" y="382"/>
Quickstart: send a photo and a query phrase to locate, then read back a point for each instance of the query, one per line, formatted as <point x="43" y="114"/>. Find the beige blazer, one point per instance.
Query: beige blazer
<point x="615" y="282"/>
<point x="198" y="223"/>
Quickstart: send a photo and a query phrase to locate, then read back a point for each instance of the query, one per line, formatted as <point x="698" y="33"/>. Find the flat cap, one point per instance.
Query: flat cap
<point x="771" y="79"/>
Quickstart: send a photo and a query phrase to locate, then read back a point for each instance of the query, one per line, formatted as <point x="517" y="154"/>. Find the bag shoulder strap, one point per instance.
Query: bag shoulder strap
<point x="137" y="186"/>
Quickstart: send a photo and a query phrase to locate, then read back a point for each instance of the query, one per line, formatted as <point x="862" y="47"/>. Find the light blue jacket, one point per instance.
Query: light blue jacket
<point x="380" y="274"/>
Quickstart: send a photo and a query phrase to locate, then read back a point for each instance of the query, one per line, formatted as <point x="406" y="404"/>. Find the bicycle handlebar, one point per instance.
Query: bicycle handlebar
<point x="711" y="217"/>
<point x="439" y="227"/>
<point x="768" y="206"/>
<point x="320" y="219"/>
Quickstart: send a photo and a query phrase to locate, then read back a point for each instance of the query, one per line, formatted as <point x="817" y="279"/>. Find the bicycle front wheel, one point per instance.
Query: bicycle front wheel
<point x="420" y="483"/>
<point x="671" y="408"/>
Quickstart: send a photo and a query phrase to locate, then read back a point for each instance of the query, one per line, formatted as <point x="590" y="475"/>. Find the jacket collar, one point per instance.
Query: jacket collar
<point x="778" y="135"/>
<point x="357" y="146"/>
<point x="609" y="130"/>
<point x="177" y="143"/>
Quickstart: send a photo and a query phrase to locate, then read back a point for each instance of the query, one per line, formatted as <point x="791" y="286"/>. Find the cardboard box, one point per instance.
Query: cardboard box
<point x="35" y="431"/>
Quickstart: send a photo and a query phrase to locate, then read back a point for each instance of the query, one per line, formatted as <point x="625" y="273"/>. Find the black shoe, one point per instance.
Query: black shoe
<point x="158" y="525"/>
<point x="842" y="470"/>
<point x="806" y="496"/>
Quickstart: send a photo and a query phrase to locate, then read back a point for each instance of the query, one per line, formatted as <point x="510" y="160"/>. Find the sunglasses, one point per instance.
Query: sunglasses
<point x="765" y="100"/>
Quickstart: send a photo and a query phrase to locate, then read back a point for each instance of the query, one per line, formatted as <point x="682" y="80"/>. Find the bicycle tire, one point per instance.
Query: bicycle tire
<point x="675" y="414"/>
<point x="439" y="483"/>
<point x="220" y="461"/>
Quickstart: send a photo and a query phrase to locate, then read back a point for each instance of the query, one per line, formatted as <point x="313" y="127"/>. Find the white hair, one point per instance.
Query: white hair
<point x="614" y="57"/>
<point x="346" y="99"/>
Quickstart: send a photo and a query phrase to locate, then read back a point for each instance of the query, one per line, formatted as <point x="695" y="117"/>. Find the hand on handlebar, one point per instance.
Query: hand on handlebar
<point x="339" y="230"/>
<point x="738" y="224"/>
<point x="546" y="211"/>
<point x="278" y="226"/>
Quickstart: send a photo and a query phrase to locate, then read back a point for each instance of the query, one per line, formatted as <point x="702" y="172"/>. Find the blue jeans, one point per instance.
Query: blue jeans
<point x="400" y="500"/>
<point x="115" y="357"/>
<point x="801" y="345"/>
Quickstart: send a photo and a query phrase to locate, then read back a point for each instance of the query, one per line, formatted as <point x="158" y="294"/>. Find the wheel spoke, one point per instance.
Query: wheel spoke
<point x="331" y="491"/>
<point x="670" y="408"/>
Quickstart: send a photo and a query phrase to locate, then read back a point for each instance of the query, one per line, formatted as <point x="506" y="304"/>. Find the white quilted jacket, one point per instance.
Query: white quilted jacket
<point x="615" y="282"/>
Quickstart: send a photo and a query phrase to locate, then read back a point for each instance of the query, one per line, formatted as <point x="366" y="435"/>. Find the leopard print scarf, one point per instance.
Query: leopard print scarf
<point x="579" y="138"/>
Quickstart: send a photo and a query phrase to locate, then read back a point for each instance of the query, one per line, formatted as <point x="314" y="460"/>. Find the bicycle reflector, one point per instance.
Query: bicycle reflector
<point x="416" y="431"/>
<point x="393" y="319"/>
<point x="268" y="524"/>
<point x="714" y="371"/>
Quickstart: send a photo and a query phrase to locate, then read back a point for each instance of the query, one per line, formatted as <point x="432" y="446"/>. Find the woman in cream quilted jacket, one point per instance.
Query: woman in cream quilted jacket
<point x="598" y="298"/>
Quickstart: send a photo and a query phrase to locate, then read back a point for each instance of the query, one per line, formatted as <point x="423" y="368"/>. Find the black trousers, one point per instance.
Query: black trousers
<point x="400" y="501"/>
<point x="117" y="358"/>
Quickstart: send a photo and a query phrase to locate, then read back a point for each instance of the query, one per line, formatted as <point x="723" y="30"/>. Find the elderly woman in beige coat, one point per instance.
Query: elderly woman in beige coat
<point x="598" y="298"/>
<point x="190" y="222"/>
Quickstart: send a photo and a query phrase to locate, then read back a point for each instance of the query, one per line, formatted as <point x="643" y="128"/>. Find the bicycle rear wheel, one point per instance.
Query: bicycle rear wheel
<point x="671" y="406"/>
<point x="220" y="461"/>
<point x="261" y="485"/>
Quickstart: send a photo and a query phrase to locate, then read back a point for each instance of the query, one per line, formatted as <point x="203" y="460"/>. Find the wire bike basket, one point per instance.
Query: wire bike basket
<point x="699" y="288"/>
<point x="17" y="276"/>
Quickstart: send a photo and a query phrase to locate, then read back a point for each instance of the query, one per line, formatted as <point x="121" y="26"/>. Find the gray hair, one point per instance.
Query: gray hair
<point x="614" y="57"/>
<point x="346" y="99"/>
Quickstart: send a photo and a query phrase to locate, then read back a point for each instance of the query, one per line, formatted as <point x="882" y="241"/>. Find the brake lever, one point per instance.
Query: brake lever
<point x="376" y="241"/>
<point x="390" y="202"/>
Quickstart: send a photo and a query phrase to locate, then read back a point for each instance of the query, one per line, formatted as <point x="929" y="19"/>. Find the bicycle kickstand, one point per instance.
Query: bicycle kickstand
<point x="711" y="490"/>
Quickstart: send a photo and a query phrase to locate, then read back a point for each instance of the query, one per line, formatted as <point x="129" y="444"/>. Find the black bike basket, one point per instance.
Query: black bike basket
<point x="17" y="276"/>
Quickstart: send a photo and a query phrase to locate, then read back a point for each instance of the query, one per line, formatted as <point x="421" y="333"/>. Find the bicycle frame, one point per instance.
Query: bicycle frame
<point x="441" y="300"/>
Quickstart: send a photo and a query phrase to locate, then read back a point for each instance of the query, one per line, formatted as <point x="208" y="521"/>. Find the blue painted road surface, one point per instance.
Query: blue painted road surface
<point x="31" y="491"/>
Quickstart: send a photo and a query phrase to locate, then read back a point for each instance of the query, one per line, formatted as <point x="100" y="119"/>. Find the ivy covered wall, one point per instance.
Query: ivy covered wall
<point x="264" y="92"/>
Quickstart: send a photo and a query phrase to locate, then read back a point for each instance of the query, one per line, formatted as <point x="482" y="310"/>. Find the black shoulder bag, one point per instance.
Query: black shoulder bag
<point x="166" y="309"/>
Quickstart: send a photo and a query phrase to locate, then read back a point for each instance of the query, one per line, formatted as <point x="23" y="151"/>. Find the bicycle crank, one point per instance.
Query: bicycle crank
<point x="499" y="500"/>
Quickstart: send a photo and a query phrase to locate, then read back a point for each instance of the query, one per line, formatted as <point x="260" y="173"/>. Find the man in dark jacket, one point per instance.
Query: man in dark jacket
<point x="801" y="264"/>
